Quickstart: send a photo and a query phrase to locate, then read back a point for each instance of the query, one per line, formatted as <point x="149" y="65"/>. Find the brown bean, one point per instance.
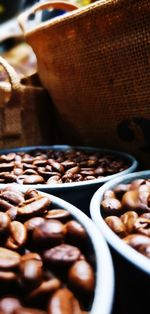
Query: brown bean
<point x="111" y="206"/>
<point x="56" y="165"/>
<point x="8" y="259"/>
<point x="109" y="194"/>
<point x="33" y="179"/>
<point x="141" y="243"/>
<point x="116" y="225"/>
<point x="4" y="222"/>
<point x="30" y="256"/>
<point x="8" y="277"/>
<point x="54" y="180"/>
<point x="35" y="207"/>
<point x="63" y="254"/>
<point x="9" y="304"/>
<point x="13" y="197"/>
<point x="46" y="287"/>
<point x="18" y="235"/>
<point x="75" y="231"/>
<point x="142" y="225"/>
<point x="63" y="302"/>
<point x="33" y="223"/>
<point x="31" y="271"/>
<point x="50" y="232"/>
<point x="6" y="166"/>
<point x="31" y="193"/>
<point x="81" y="276"/>
<point x="60" y="214"/>
<point x="128" y="220"/>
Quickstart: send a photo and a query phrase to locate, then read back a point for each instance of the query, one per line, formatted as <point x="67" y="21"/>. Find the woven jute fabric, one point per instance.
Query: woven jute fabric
<point x="95" y="64"/>
<point x="25" y="111"/>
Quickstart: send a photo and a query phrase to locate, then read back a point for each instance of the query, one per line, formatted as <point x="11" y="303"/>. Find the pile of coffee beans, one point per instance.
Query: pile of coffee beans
<point x="54" y="166"/>
<point x="126" y="210"/>
<point x="47" y="261"/>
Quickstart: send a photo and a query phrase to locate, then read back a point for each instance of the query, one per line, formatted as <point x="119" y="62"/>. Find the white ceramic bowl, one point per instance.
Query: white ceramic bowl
<point x="127" y="252"/>
<point x="77" y="193"/>
<point x="104" y="288"/>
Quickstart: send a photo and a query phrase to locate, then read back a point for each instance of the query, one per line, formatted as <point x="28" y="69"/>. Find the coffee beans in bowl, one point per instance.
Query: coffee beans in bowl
<point x="64" y="169"/>
<point x="121" y="209"/>
<point x="52" y="258"/>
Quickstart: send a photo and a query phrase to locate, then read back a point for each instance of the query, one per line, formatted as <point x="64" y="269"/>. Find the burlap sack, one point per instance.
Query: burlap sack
<point x="25" y="111"/>
<point x="95" y="64"/>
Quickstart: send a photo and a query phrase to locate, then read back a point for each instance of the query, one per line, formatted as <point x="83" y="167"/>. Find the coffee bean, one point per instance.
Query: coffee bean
<point x="46" y="287"/>
<point x="8" y="259"/>
<point x="50" y="232"/>
<point x="18" y="235"/>
<point x="33" y="179"/>
<point x="63" y="302"/>
<point x="60" y="214"/>
<point x="63" y="254"/>
<point x="4" y="222"/>
<point x="35" y="207"/>
<point x="9" y="304"/>
<point x="75" y="231"/>
<point x="81" y="276"/>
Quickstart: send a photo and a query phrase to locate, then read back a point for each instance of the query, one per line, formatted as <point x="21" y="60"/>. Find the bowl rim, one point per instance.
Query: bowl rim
<point x="128" y="157"/>
<point x="127" y="252"/>
<point x="105" y="279"/>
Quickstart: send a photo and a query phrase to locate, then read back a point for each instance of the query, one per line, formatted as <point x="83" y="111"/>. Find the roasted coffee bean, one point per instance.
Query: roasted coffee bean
<point x="12" y="213"/>
<point x="35" y="207"/>
<point x="109" y="194"/>
<point x="30" y="256"/>
<point x="18" y="235"/>
<point x="81" y="276"/>
<point x="33" y="179"/>
<point x="4" y="222"/>
<point x="31" y="193"/>
<point x="56" y="165"/>
<point x="7" y="158"/>
<point x="136" y="240"/>
<point x="111" y="206"/>
<point x="142" y="225"/>
<point x="63" y="302"/>
<point x="63" y="254"/>
<point x="31" y="271"/>
<point x="54" y="179"/>
<point x="131" y="201"/>
<point x="8" y="259"/>
<point x="120" y="190"/>
<point x="6" y="166"/>
<point x="4" y="205"/>
<point x="116" y="225"/>
<point x="33" y="223"/>
<point x="128" y="220"/>
<point x="46" y="287"/>
<point x="50" y="232"/>
<point x="60" y="214"/>
<point x="13" y="197"/>
<point x="9" y="305"/>
<point x="75" y="232"/>
<point x="8" y="277"/>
